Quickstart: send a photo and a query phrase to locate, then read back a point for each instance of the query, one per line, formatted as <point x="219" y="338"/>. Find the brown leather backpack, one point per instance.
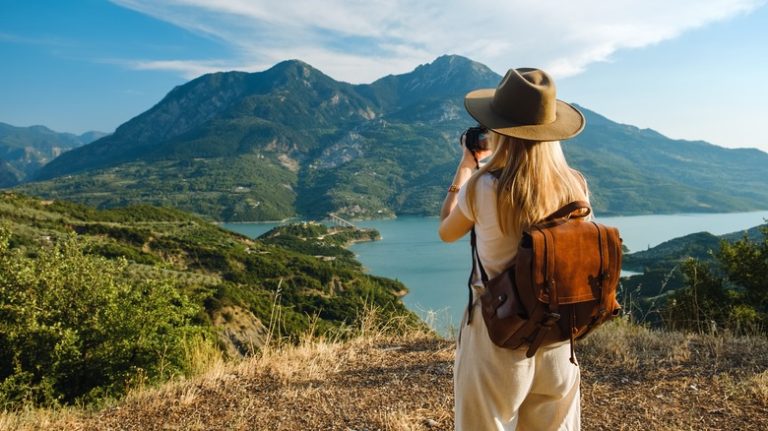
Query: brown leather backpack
<point x="561" y="286"/>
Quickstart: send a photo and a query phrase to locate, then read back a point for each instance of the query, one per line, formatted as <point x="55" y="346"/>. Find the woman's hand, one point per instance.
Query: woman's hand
<point x="453" y="223"/>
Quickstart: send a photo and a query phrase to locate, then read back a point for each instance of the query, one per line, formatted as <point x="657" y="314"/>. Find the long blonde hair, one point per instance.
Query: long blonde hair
<point x="534" y="180"/>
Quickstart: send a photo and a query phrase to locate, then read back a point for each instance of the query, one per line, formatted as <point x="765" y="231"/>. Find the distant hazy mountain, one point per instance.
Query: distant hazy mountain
<point x="635" y="171"/>
<point x="291" y="140"/>
<point x="8" y="174"/>
<point x="23" y="150"/>
<point x="660" y="267"/>
<point x="699" y="245"/>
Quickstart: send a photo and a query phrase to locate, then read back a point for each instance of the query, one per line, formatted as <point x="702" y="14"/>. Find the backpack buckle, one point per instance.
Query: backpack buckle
<point x="550" y="320"/>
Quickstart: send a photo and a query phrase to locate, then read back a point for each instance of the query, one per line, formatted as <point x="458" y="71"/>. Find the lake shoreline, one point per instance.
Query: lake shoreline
<point x="400" y="216"/>
<point x="435" y="273"/>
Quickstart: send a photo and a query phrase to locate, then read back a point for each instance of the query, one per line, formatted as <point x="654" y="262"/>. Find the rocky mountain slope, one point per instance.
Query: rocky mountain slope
<point x="24" y="150"/>
<point x="292" y="141"/>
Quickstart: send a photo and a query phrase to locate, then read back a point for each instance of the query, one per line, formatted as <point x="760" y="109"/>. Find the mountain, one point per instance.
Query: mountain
<point x="634" y="171"/>
<point x="660" y="266"/>
<point x="699" y="245"/>
<point x="24" y="150"/>
<point x="9" y="175"/>
<point x="90" y="136"/>
<point x="292" y="141"/>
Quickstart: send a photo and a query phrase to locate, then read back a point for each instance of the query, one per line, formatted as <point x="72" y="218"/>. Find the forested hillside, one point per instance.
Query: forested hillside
<point x="293" y="141"/>
<point x="702" y="281"/>
<point x="95" y="302"/>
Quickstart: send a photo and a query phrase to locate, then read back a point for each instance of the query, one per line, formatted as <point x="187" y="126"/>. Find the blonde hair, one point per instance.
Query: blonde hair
<point x="534" y="180"/>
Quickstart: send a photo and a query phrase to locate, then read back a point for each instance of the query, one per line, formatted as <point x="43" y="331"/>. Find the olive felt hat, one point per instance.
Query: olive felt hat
<point x="524" y="105"/>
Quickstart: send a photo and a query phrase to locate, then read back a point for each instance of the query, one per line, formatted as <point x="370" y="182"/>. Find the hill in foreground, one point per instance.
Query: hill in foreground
<point x="632" y="379"/>
<point x="293" y="141"/>
<point x="94" y="302"/>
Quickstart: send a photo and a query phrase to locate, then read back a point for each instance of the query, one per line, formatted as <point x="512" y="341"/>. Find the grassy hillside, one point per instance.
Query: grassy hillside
<point x="669" y="268"/>
<point x="82" y="265"/>
<point x="243" y="188"/>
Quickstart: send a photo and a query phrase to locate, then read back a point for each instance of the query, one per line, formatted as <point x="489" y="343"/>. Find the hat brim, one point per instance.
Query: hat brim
<point x="568" y="123"/>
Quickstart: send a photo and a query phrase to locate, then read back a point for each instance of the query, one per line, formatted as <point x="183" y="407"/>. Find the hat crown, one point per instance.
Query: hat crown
<point x="525" y="106"/>
<point x="526" y="97"/>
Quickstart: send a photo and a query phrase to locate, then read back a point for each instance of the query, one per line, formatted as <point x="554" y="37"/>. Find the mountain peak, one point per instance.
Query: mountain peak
<point x="295" y="68"/>
<point x="452" y="64"/>
<point x="292" y="64"/>
<point x="448" y="76"/>
<point x="451" y="59"/>
<point x="360" y="150"/>
<point x="23" y="150"/>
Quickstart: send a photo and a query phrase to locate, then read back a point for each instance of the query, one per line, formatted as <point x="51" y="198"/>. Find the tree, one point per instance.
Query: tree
<point x="731" y="292"/>
<point x="745" y="263"/>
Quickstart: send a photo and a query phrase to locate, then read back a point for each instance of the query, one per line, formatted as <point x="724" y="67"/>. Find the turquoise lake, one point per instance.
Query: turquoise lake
<point x="436" y="272"/>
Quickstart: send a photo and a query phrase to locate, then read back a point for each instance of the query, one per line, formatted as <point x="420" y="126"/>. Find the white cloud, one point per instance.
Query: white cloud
<point x="188" y="69"/>
<point x="361" y="40"/>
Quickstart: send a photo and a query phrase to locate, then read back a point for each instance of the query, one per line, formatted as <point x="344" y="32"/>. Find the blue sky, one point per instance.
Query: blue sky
<point x="692" y="69"/>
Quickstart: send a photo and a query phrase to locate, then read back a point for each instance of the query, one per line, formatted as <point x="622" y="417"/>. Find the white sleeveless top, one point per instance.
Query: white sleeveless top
<point x="496" y="251"/>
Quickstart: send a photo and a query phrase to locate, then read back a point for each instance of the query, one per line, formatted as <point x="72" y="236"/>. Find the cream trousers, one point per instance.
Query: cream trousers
<point x="501" y="389"/>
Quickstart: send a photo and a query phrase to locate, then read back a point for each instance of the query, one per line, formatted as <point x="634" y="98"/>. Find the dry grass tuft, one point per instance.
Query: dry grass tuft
<point x="633" y="379"/>
<point x="758" y="385"/>
<point x="663" y="380"/>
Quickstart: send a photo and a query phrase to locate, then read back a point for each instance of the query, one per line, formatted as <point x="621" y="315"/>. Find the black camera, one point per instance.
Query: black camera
<point x="476" y="138"/>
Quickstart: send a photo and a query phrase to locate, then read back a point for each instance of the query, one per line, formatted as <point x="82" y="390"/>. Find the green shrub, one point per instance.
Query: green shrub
<point x="112" y="250"/>
<point x="746" y="264"/>
<point x="73" y="328"/>
<point x="731" y="292"/>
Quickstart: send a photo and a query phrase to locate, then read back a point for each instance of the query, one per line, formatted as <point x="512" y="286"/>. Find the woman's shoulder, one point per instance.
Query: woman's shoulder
<point x="485" y="188"/>
<point x="490" y="177"/>
<point x="487" y="180"/>
<point x="482" y="186"/>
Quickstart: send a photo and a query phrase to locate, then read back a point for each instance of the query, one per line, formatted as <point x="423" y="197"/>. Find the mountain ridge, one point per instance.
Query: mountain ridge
<point x="24" y="150"/>
<point x="291" y="141"/>
<point x="697" y="245"/>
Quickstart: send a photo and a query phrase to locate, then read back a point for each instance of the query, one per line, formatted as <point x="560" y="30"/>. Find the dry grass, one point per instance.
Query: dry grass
<point x="633" y="379"/>
<point x="637" y="379"/>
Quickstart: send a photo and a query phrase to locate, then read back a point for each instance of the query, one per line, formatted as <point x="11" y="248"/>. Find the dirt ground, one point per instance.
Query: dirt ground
<point x="632" y="379"/>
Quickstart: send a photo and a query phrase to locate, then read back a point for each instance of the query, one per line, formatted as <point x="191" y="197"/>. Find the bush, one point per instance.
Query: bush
<point x="746" y="264"/>
<point x="73" y="328"/>
<point x="730" y="293"/>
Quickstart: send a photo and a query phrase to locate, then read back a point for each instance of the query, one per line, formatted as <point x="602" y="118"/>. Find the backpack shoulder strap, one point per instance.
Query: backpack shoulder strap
<point x="476" y="264"/>
<point x="569" y="209"/>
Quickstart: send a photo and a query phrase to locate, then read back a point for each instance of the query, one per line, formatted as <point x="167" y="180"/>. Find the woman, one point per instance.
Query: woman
<point x="526" y="179"/>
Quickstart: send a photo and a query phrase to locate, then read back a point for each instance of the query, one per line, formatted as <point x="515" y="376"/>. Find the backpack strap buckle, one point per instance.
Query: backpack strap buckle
<point x="543" y="327"/>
